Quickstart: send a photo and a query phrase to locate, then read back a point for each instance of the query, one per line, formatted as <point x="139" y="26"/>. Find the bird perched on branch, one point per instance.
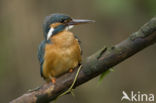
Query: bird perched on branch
<point x="60" y="51"/>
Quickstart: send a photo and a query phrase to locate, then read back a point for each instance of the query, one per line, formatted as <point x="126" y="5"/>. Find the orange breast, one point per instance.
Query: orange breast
<point x="63" y="54"/>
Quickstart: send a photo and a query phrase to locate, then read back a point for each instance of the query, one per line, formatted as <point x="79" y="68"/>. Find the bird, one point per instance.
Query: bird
<point x="60" y="50"/>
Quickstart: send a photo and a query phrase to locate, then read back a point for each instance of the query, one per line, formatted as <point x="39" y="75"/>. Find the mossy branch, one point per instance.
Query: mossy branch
<point x="94" y="65"/>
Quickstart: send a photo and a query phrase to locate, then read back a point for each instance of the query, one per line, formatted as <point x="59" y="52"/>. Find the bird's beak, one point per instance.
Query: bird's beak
<point x="79" y="21"/>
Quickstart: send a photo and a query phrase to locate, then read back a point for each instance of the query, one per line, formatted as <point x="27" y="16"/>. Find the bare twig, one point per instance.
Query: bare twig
<point x="94" y="65"/>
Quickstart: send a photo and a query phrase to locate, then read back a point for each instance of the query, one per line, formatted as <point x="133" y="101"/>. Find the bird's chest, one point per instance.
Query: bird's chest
<point x="63" y="45"/>
<point x="63" y="54"/>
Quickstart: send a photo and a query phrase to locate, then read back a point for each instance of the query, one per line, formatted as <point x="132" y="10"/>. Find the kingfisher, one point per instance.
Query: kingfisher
<point x="60" y="51"/>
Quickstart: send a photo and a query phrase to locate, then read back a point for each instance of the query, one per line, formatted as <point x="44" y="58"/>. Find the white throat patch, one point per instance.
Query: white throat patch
<point x="69" y="27"/>
<point x="50" y="33"/>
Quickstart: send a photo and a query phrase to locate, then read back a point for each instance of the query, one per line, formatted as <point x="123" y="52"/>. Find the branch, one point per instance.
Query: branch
<point x="94" y="65"/>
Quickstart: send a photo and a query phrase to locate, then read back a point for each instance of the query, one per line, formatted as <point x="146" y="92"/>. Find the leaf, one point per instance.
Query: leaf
<point x="104" y="74"/>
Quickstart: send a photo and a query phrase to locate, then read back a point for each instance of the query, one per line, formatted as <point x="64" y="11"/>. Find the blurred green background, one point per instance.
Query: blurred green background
<point x="21" y="32"/>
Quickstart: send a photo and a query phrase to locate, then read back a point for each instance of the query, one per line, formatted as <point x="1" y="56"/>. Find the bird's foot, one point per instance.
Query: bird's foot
<point x="70" y="70"/>
<point x="53" y="80"/>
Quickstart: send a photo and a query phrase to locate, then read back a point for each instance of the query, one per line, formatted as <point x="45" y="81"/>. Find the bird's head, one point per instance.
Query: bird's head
<point x="56" y="23"/>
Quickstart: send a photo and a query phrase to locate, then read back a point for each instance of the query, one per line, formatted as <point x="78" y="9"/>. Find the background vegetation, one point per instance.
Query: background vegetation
<point x="21" y="32"/>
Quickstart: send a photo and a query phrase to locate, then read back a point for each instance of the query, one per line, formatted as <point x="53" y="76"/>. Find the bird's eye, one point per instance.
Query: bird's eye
<point x="65" y="21"/>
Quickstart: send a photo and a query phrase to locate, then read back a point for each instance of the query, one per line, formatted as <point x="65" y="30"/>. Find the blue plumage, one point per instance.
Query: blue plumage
<point x="41" y="50"/>
<point x="58" y="29"/>
<point x="53" y="18"/>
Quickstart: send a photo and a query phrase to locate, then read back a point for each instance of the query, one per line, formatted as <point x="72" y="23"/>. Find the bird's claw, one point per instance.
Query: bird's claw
<point x="53" y="80"/>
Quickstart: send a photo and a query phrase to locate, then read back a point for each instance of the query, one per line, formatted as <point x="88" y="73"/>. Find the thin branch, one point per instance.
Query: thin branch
<point x="94" y="65"/>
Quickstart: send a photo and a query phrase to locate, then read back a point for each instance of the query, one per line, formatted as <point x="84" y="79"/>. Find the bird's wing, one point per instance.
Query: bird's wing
<point x="77" y="38"/>
<point x="79" y="42"/>
<point x="41" y="50"/>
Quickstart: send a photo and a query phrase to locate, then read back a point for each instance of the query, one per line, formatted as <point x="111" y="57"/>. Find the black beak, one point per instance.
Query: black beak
<point x="79" y="21"/>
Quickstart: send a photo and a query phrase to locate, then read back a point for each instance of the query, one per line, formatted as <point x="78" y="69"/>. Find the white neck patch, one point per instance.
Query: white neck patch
<point x="69" y="27"/>
<point x="50" y="33"/>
